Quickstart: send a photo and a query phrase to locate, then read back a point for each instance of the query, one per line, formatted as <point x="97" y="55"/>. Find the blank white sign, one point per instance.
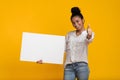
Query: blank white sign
<point x="48" y="48"/>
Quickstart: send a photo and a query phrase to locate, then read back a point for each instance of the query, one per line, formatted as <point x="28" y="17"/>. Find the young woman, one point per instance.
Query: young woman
<point x="76" y="64"/>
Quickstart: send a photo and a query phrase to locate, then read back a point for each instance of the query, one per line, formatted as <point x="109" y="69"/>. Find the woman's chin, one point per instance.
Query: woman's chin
<point x="78" y="29"/>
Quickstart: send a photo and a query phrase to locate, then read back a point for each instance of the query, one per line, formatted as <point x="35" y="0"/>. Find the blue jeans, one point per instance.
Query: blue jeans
<point x="79" y="70"/>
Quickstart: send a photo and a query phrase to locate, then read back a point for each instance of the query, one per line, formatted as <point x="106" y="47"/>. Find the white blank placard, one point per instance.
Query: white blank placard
<point x="48" y="48"/>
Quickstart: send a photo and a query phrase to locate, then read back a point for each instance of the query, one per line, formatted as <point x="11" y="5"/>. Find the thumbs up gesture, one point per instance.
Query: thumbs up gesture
<point x="89" y="31"/>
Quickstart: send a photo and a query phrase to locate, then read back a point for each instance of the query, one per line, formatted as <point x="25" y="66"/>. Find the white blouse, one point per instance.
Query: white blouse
<point x="77" y="47"/>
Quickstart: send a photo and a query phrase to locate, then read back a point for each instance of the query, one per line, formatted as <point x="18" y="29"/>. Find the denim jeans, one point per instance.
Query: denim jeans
<point x="79" y="70"/>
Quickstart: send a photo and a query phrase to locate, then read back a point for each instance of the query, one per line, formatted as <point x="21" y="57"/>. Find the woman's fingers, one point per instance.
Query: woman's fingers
<point x="88" y="26"/>
<point x="89" y="30"/>
<point x="40" y="62"/>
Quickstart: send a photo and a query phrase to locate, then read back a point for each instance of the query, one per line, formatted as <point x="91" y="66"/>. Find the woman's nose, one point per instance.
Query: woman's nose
<point x="75" y="24"/>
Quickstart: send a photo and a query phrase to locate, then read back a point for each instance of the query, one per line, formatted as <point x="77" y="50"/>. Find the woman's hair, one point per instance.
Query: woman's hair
<point x="76" y="12"/>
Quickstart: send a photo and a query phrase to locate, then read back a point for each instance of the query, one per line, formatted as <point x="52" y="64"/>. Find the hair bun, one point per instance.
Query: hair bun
<point x="75" y="10"/>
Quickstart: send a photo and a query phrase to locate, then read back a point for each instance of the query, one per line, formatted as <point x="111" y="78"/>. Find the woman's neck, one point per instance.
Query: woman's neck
<point x="80" y="31"/>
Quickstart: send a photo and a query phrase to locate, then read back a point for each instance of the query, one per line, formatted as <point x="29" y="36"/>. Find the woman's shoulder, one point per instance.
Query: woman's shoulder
<point x="84" y="32"/>
<point x="70" y="32"/>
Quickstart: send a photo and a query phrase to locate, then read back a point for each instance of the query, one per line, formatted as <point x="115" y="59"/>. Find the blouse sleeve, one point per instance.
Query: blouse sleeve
<point x="66" y="42"/>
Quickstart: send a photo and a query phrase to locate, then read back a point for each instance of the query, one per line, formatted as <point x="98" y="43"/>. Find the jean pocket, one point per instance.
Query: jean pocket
<point x="83" y="68"/>
<point x="82" y="64"/>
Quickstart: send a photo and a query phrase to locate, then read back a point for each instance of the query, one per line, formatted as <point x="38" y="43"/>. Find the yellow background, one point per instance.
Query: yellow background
<point x="53" y="17"/>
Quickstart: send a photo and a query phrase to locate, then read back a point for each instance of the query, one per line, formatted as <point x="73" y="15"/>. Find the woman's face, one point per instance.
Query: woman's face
<point x="77" y="22"/>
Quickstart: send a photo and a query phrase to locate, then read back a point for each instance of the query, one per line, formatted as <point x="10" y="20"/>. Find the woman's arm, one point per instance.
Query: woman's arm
<point x="90" y="34"/>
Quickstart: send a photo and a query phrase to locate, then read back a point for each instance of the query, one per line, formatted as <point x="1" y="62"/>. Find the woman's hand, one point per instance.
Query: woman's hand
<point x="89" y="31"/>
<point x="39" y="62"/>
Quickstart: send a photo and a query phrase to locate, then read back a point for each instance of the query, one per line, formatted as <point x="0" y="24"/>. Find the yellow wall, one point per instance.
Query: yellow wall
<point x="53" y="17"/>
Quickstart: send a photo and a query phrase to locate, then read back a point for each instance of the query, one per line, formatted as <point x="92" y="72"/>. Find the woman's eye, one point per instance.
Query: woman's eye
<point x="73" y="23"/>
